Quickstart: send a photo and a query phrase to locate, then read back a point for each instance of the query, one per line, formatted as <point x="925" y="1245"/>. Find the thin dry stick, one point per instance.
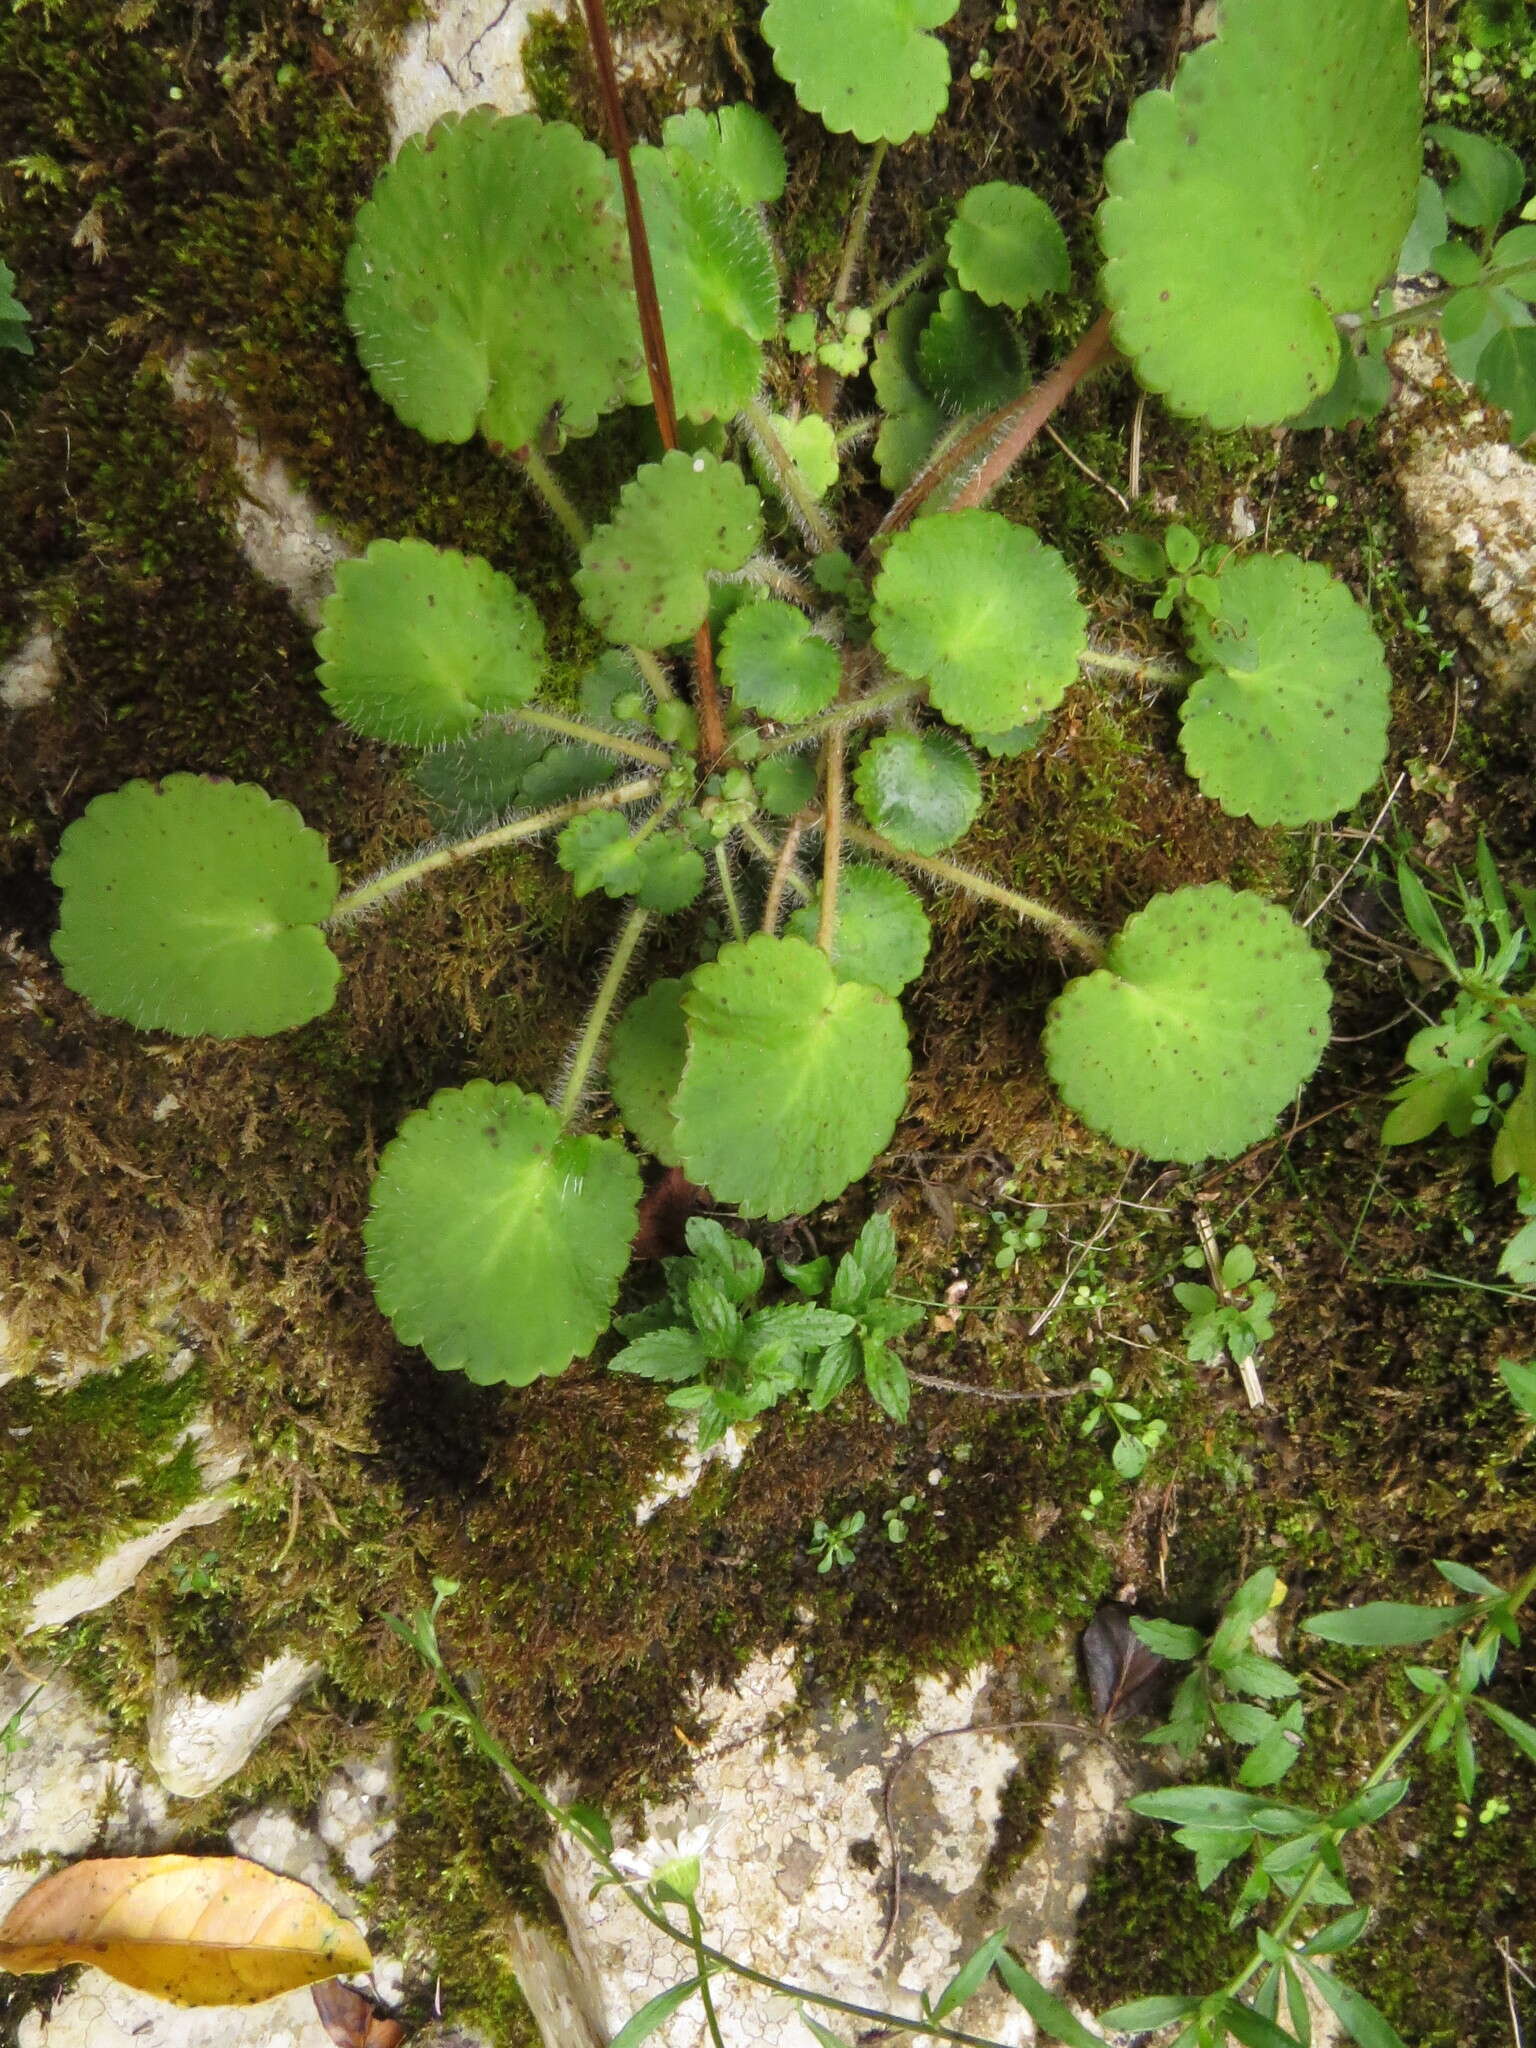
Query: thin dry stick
<point x="1133" y="467"/>
<point x="778" y="881"/>
<point x="1081" y="1730"/>
<point x="929" y="1379"/>
<point x="1111" y="1210"/>
<point x="1376" y="824"/>
<point x="1092" y="474"/>
<point x="831" y="837"/>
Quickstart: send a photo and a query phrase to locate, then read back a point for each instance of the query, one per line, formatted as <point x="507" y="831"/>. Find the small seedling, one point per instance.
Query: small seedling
<point x="895" y="1519"/>
<point x="1136" y="1438"/>
<point x="1017" y="1236"/>
<point x="1230" y="1317"/>
<point x="834" y="1543"/>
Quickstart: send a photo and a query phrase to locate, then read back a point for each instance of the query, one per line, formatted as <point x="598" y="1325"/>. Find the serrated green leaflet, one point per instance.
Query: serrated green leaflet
<point x="1007" y="246"/>
<point x="488" y="282"/>
<point x="882" y="933"/>
<point x="645" y="1064"/>
<point x="496" y="1239"/>
<point x="192" y="906"/>
<point x="478" y="778"/>
<point x="644" y="577"/>
<point x="715" y="279"/>
<point x="794" y="1079"/>
<point x="920" y="789"/>
<point x="866" y="67"/>
<point x="737" y="142"/>
<point x="417" y="643"/>
<point x="1268" y="191"/>
<point x="985" y="613"/>
<point x="911" y="418"/>
<point x="1288" y="725"/>
<point x="1208" y="1014"/>
<point x="772" y="663"/>
<point x="968" y="355"/>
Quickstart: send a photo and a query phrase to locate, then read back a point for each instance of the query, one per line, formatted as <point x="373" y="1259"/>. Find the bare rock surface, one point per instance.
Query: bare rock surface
<point x="197" y="1744"/>
<point x="1470" y="504"/>
<point x="461" y="54"/>
<point x="30" y="675"/>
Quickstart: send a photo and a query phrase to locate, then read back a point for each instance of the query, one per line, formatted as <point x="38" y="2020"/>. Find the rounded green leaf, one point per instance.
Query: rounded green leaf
<point x="968" y="355"/>
<point x="645" y="1064"/>
<point x="1268" y="191"/>
<point x="192" y="905"/>
<point x="478" y="779"/>
<point x="715" y="279"/>
<point x="1210" y="1011"/>
<point x="1007" y="246"/>
<point x="911" y="419"/>
<point x="794" y="1079"/>
<point x="772" y="663"/>
<point x="417" y="643"/>
<point x="488" y="281"/>
<point x="643" y="578"/>
<point x="739" y="143"/>
<point x="985" y="613"/>
<point x="785" y="783"/>
<point x="882" y="934"/>
<point x="865" y="66"/>
<point x="1288" y="725"/>
<point x="920" y="789"/>
<point x="496" y="1239"/>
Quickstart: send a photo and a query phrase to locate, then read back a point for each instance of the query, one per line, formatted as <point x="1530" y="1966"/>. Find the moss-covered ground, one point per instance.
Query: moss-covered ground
<point x="173" y="175"/>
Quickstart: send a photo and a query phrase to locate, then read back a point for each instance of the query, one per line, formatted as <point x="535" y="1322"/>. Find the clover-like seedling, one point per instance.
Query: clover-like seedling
<point x="1269" y="190"/>
<point x="194" y="906"/>
<point x="644" y="577"/>
<point x="418" y="643"/>
<point x="1288" y="723"/>
<point x="1208" y="1014"/>
<point x="985" y="613"/>
<point x="1007" y="247"/>
<point x="496" y="1239"/>
<point x="882" y="933"/>
<point x="529" y="205"/>
<point x="793" y="1080"/>
<point x="867" y="67"/>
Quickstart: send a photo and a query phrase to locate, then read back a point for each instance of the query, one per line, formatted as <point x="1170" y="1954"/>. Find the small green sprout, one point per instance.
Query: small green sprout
<point x="895" y="1519"/>
<point x="1017" y="1235"/>
<point x="834" y="1543"/>
<point x="1136" y="1438"/>
<point x="1231" y="1316"/>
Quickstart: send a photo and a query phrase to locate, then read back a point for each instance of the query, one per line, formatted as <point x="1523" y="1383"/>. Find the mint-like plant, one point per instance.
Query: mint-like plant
<point x="791" y="727"/>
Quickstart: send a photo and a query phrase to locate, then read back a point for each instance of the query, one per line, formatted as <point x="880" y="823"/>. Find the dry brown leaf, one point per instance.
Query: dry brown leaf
<point x="196" y="1930"/>
<point x="352" y="2021"/>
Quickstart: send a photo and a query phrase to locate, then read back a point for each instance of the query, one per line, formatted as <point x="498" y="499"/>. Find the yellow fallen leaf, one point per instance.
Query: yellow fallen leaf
<point x="196" y="1930"/>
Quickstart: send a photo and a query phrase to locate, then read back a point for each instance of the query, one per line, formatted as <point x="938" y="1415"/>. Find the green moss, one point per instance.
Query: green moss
<point x="1144" y="1928"/>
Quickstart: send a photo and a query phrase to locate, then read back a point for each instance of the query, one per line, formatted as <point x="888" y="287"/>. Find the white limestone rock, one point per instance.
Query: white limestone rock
<point x="30" y="676"/>
<point x="355" y="1818"/>
<point x="196" y="1744"/>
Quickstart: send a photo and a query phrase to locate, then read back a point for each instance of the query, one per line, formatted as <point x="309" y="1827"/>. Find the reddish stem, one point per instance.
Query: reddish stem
<point x="712" y="743"/>
<point x="1006" y="432"/>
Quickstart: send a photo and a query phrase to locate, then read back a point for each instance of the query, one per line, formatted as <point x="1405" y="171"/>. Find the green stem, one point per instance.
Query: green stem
<point x="596" y="1027"/>
<point x="1436" y="302"/>
<point x="787" y="480"/>
<point x="549" y="487"/>
<point x="1145" y="667"/>
<point x="654" y="672"/>
<point x="780" y="862"/>
<point x="858" y="227"/>
<point x="696" y="1933"/>
<point x="831" y="837"/>
<point x="728" y="890"/>
<point x="909" y="280"/>
<point x="842" y="717"/>
<point x="379" y="887"/>
<point x="1025" y="907"/>
<point x="589" y="735"/>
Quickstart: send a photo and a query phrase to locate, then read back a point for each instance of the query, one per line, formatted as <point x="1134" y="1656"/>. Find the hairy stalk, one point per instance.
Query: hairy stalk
<point x="791" y="486"/>
<point x="378" y="888"/>
<point x="919" y="273"/>
<point x="712" y="743"/>
<point x="858" y="228"/>
<point x="547" y="486"/>
<point x="589" y="735"/>
<point x="842" y="717"/>
<point x="728" y="890"/>
<point x="1026" y="907"/>
<point x="773" y="857"/>
<point x="595" y="1030"/>
<point x="1146" y="667"/>
<point x="995" y="443"/>
<point x="832" y="750"/>
<point x="654" y="671"/>
<point x="779" y="878"/>
<point x="782" y="582"/>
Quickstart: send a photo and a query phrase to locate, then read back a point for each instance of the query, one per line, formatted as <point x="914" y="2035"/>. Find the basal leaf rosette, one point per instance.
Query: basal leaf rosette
<point x="496" y="1238"/>
<point x="488" y="281"/>
<point x="983" y="612"/>
<point x="882" y="933"/>
<point x="1209" y="1012"/>
<point x="417" y="643"/>
<point x="1007" y="246"/>
<point x="645" y="1064"/>
<point x="194" y="906"/>
<point x="716" y="281"/>
<point x="867" y="67"/>
<point x="1269" y="190"/>
<point x="920" y="790"/>
<point x="1288" y="725"/>
<point x="644" y="577"/>
<point x="793" y="1081"/>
